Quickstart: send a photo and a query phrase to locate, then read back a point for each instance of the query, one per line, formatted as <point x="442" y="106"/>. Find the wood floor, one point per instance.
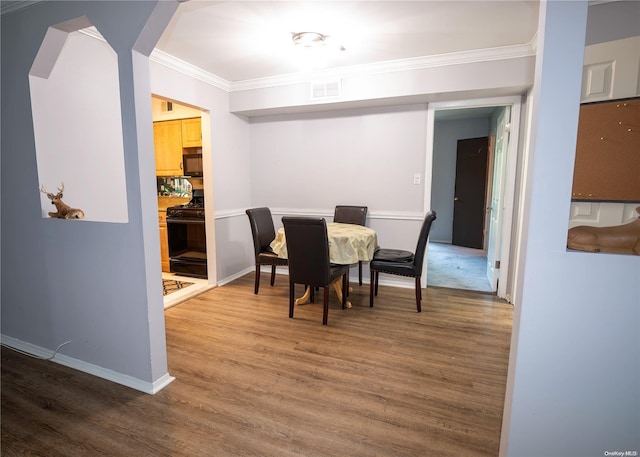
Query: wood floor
<point x="383" y="381"/>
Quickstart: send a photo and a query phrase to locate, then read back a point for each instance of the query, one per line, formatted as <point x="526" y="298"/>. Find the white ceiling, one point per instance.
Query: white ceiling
<point x="248" y="40"/>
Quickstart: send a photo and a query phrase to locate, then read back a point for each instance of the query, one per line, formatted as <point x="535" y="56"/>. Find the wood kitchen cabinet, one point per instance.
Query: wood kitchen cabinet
<point x="167" y="141"/>
<point x="164" y="241"/>
<point x="192" y="133"/>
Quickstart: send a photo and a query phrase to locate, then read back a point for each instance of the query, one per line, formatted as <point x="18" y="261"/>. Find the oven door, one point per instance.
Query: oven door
<point x="187" y="246"/>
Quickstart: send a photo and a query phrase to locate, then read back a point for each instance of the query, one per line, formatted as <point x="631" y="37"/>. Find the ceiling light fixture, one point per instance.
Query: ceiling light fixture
<point x="309" y="39"/>
<point x="313" y="49"/>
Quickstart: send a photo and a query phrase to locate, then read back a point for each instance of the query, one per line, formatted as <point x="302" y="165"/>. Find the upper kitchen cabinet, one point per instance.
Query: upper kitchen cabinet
<point x="192" y="133"/>
<point x="167" y="140"/>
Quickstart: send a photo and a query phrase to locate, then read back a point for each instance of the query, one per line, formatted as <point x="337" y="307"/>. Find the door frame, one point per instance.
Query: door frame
<point x="508" y="191"/>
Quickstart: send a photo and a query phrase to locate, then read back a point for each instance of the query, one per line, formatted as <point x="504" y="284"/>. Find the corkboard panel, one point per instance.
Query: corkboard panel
<point x="607" y="166"/>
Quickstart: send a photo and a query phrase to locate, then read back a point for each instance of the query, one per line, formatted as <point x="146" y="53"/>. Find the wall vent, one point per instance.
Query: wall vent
<point x="325" y="89"/>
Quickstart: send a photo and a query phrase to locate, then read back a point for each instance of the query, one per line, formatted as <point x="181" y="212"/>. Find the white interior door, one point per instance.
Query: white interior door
<point x="496" y="205"/>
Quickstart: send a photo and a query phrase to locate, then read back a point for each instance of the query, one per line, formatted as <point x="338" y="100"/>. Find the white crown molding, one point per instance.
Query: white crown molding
<point x="10" y="6"/>
<point x="416" y="63"/>
<point x="187" y="69"/>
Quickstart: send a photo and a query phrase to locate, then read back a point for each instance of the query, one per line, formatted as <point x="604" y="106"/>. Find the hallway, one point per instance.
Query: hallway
<point x="457" y="267"/>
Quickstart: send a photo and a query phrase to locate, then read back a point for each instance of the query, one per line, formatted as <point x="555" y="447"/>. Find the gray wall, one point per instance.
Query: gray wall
<point x="445" y="143"/>
<point x="363" y="157"/>
<point x="612" y="21"/>
<point x="81" y="281"/>
<point x="574" y="373"/>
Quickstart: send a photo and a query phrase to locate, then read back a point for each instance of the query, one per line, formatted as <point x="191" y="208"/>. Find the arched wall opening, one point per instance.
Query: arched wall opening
<point x="75" y="99"/>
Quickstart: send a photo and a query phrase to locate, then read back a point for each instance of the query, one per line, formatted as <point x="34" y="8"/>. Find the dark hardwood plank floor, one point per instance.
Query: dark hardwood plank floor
<point x="382" y="381"/>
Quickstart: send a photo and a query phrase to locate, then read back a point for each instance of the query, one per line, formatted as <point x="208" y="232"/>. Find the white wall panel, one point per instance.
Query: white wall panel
<point x="611" y="71"/>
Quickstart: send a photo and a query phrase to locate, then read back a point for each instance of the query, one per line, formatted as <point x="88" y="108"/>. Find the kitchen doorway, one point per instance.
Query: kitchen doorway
<point x="189" y="136"/>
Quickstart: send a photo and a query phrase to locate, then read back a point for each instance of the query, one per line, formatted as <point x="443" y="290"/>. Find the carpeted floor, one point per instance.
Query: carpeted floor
<point x="171" y="285"/>
<point x="457" y="267"/>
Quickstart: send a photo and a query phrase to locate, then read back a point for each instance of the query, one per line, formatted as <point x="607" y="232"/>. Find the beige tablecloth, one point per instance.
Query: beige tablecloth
<point x="348" y="243"/>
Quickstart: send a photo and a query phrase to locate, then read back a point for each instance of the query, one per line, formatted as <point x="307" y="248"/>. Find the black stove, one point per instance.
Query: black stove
<point x="194" y="209"/>
<point x="187" y="237"/>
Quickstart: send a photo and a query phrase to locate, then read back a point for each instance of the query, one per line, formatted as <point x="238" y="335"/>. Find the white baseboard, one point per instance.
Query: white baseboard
<point x="233" y="277"/>
<point x="104" y="373"/>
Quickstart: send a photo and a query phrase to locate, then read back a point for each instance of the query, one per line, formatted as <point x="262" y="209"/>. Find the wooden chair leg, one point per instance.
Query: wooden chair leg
<point x="325" y="311"/>
<point x="273" y="275"/>
<point x="377" y="279"/>
<point x="257" y="282"/>
<point x="371" y="287"/>
<point x="291" y="299"/>
<point x="418" y="294"/>
<point x="360" y="273"/>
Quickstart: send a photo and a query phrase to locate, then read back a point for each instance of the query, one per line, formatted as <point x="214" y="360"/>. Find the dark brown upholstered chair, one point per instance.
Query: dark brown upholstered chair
<point x="357" y="215"/>
<point x="403" y="263"/>
<point x="263" y="234"/>
<point x="308" y="250"/>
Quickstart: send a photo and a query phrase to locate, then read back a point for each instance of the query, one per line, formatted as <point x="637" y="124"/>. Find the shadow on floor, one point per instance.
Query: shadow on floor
<point x="457" y="267"/>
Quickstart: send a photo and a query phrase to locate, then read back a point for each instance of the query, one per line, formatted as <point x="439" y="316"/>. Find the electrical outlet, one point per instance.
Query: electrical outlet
<point x="416" y="178"/>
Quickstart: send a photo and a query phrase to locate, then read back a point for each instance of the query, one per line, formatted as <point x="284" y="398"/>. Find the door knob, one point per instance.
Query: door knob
<point x="455" y="199"/>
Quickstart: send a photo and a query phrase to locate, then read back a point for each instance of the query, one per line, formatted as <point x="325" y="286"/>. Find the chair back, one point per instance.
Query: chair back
<point x="418" y="258"/>
<point x="308" y="250"/>
<point x="262" y="228"/>
<point x="350" y="214"/>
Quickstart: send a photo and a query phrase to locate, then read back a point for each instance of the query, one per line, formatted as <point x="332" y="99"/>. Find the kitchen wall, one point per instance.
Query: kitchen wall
<point x="160" y="110"/>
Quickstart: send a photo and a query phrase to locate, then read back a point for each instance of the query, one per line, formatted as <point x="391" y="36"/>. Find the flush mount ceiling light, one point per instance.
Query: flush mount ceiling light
<point x="309" y="39"/>
<point x="314" y="49"/>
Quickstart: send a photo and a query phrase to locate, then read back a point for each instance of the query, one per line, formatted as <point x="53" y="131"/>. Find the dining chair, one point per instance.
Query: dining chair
<point x="403" y="263"/>
<point x="357" y="215"/>
<point x="308" y="251"/>
<point x="263" y="233"/>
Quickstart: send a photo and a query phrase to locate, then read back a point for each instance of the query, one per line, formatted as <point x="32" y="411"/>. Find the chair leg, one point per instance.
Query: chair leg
<point x="325" y="311"/>
<point x="312" y="296"/>
<point x="371" y="287"/>
<point x="418" y="294"/>
<point x="273" y="275"/>
<point x="291" y="299"/>
<point x="377" y="278"/>
<point x="360" y="272"/>
<point x="257" y="282"/>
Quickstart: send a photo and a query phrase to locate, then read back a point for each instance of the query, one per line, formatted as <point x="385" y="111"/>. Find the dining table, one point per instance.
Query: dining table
<point x="348" y="245"/>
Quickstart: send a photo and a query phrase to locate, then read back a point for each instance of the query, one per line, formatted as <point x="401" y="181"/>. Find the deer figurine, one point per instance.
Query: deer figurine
<point x="64" y="211"/>
<point x="619" y="239"/>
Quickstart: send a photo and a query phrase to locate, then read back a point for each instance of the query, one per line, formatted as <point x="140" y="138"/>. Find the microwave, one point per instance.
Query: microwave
<point x="192" y="165"/>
